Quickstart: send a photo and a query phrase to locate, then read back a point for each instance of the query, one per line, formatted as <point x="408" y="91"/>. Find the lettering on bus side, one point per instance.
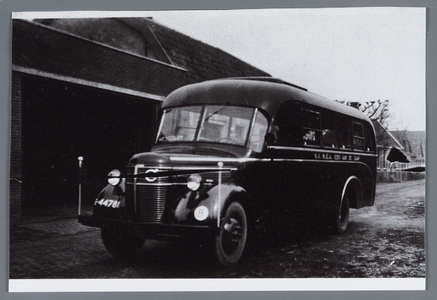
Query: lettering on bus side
<point x="329" y="156"/>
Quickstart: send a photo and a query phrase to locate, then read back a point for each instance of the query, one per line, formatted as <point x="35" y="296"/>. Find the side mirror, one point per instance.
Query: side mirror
<point x="270" y="138"/>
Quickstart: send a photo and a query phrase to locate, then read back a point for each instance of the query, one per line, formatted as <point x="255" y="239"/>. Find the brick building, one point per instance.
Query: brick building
<point x="93" y="88"/>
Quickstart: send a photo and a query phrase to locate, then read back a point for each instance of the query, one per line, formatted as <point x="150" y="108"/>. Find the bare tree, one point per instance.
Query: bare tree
<point x="375" y="110"/>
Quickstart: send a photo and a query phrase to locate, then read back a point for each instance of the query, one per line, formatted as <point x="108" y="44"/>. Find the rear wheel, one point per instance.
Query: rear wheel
<point x="231" y="240"/>
<point x="340" y="219"/>
<point x="121" y="243"/>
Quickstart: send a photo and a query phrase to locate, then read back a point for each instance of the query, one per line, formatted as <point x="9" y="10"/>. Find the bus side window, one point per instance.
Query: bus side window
<point x="358" y="136"/>
<point x="287" y="124"/>
<point x="344" y="132"/>
<point x="329" y="130"/>
<point x="369" y="139"/>
<point x="311" y="128"/>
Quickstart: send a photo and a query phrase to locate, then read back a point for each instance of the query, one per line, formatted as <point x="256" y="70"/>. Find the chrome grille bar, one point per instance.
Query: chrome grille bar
<point x="148" y="199"/>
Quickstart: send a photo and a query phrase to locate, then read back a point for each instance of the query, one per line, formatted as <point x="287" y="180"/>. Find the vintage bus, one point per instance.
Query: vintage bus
<point x="233" y="154"/>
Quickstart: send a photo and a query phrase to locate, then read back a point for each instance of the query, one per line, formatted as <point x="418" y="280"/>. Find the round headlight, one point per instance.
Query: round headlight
<point x="114" y="177"/>
<point x="194" y="181"/>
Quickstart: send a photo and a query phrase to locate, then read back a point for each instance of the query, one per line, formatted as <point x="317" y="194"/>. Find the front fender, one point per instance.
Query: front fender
<point x="110" y="202"/>
<point x="203" y="208"/>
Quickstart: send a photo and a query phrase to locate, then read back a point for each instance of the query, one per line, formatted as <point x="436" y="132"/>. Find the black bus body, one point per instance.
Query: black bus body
<point x="231" y="154"/>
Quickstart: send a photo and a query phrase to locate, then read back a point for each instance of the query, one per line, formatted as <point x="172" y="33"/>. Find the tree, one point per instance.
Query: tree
<point x="375" y="110"/>
<point x="378" y="111"/>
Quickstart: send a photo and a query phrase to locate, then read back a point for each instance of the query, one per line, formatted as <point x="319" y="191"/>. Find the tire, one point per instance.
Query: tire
<point x="231" y="240"/>
<point x="121" y="243"/>
<point x="340" y="219"/>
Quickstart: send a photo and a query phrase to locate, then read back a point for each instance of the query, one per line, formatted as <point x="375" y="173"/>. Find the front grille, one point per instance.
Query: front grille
<point x="150" y="202"/>
<point x="129" y="172"/>
<point x="150" y="196"/>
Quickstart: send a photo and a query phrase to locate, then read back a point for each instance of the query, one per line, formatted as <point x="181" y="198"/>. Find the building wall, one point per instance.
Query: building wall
<point x="48" y="54"/>
<point x="383" y="163"/>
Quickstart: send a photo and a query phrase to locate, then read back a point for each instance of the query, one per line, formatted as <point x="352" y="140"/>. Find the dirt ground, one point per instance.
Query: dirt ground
<point x="386" y="240"/>
<point x="383" y="241"/>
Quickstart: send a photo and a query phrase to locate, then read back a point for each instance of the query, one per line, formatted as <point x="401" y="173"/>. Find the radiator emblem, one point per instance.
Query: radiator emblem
<point x="151" y="179"/>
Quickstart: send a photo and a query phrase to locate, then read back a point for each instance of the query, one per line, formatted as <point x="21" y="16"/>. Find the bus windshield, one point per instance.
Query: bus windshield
<point x="212" y="123"/>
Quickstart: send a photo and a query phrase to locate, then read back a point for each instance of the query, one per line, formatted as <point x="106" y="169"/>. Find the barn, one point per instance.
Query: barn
<point x="93" y="88"/>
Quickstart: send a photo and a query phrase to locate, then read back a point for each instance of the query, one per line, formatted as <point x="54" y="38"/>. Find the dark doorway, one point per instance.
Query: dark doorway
<point x="64" y="121"/>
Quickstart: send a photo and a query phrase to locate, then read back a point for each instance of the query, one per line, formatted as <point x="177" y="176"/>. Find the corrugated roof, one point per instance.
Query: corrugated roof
<point x="203" y="62"/>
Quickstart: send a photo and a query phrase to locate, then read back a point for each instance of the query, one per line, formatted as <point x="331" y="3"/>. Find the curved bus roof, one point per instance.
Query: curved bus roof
<point x="263" y="92"/>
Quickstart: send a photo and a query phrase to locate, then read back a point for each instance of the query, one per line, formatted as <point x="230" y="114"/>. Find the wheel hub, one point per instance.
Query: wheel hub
<point x="232" y="233"/>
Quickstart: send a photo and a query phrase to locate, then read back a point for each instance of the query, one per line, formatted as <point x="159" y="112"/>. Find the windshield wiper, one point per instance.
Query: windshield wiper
<point x="217" y="111"/>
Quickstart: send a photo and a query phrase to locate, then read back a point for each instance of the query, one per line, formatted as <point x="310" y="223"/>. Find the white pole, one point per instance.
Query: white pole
<point x="220" y="165"/>
<point x="80" y="159"/>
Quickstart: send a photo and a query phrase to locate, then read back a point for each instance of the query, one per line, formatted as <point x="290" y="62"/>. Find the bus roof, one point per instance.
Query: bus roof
<point x="265" y="93"/>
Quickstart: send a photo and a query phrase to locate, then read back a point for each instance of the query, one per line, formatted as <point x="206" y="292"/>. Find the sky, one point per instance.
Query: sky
<point x="346" y="54"/>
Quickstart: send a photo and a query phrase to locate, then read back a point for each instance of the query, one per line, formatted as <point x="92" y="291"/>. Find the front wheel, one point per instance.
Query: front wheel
<point x="121" y="243"/>
<point x="231" y="240"/>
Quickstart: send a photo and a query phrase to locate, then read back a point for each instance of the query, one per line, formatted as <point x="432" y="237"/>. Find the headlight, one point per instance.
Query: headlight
<point x="194" y="182"/>
<point x="114" y="177"/>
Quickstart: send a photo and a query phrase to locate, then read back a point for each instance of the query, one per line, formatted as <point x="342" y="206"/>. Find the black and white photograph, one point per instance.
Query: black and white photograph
<point x="218" y="150"/>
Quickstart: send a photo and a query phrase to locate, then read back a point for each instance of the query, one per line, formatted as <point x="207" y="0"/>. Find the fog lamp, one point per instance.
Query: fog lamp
<point x="193" y="182"/>
<point x="114" y="177"/>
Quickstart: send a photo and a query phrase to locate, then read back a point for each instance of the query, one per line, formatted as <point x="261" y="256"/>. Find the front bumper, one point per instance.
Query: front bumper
<point x="155" y="230"/>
